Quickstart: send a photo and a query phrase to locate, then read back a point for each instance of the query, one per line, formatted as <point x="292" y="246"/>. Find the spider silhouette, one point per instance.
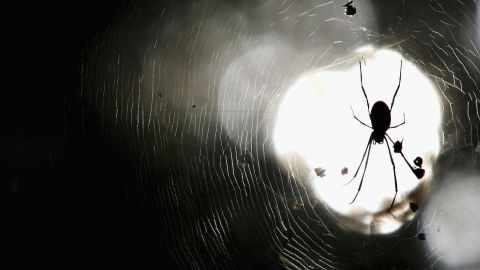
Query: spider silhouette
<point x="380" y="117"/>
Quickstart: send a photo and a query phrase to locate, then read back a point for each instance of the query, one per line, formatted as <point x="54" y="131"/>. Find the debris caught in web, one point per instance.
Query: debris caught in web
<point x="413" y="206"/>
<point x="320" y="171"/>
<point x="422" y="236"/>
<point x="349" y="9"/>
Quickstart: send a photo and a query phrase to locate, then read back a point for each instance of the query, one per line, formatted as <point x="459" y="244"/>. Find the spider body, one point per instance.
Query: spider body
<point x="380" y="118"/>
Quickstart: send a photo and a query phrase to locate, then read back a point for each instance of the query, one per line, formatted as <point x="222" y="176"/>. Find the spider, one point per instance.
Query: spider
<point x="380" y="117"/>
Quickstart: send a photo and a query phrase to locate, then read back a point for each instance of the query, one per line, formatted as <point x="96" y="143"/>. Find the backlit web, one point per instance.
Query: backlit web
<point x="185" y="97"/>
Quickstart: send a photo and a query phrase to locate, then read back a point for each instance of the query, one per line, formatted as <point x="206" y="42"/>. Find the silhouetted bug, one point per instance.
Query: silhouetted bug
<point x="418" y="161"/>
<point x="320" y="171"/>
<point x="422" y="236"/>
<point x="349" y="9"/>
<point x="413" y="206"/>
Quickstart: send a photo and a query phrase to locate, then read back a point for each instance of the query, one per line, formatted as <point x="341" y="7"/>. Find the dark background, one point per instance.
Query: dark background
<point x="61" y="205"/>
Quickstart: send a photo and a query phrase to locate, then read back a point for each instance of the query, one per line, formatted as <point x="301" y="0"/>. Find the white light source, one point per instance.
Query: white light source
<point x="315" y="124"/>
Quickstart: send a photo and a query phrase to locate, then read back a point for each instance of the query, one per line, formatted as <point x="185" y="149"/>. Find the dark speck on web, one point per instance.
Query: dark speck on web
<point x="320" y="171"/>
<point x="413" y="206"/>
<point x="422" y="236"/>
<point x="418" y="162"/>
<point x="349" y="9"/>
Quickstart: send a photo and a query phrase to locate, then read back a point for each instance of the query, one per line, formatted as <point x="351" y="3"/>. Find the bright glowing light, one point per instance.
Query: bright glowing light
<point x="315" y="125"/>
<point x="452" y="219"/>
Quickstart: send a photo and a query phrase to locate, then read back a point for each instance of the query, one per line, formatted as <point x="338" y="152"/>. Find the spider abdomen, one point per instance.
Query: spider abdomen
<point x="380" y="118"/>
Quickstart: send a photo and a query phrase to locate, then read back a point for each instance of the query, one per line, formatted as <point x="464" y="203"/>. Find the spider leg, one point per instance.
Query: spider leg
<point x="398" y="87"/>
<point x="394" y="175"/>
<point x="363" y="175"/>
<point x="408" y="163"/>
<point x="363" y="89"/>
<point x="359" y="119"/>
<point x="404" y="158"/>
<point x="363" y="157"/>
<point x="400" y="123"/>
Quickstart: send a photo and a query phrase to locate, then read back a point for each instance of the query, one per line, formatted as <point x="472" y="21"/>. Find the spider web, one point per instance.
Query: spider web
<point x="182" y="98"/>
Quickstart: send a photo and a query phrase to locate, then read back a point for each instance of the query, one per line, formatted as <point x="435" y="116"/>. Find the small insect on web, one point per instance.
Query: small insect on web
<point x="422" y="236"/>
<point x="380" y="117"/>
<point x="320" y="171"/>
<point x="349" y="9"/>
<point x="413" y="206"/>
